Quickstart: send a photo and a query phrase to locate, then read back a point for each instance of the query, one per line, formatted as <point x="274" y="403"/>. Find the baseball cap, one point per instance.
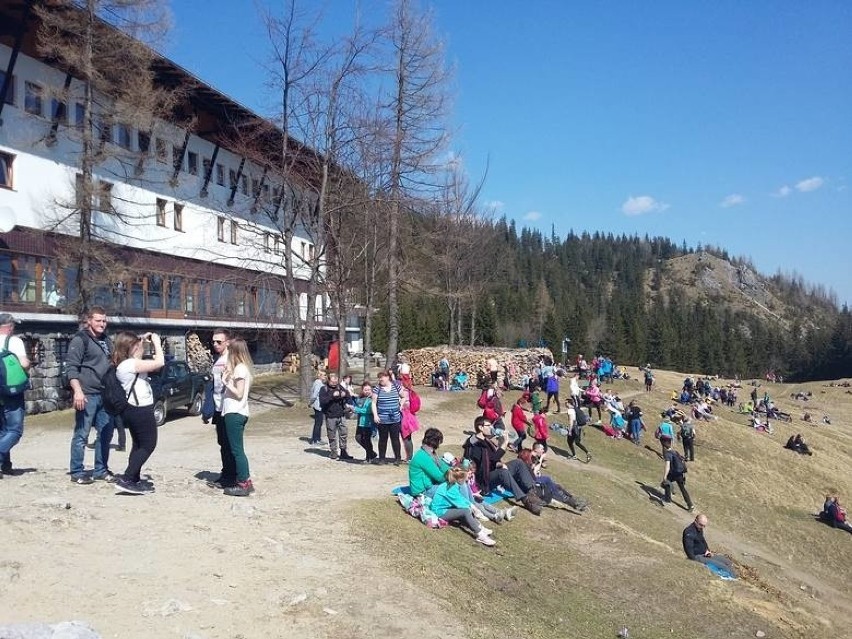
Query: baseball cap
<point x="7" y="318"/>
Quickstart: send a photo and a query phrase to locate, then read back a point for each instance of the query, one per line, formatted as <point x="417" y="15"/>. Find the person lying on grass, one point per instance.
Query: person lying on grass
<point x="451" y="505"/>
<point x="524" y="470"/>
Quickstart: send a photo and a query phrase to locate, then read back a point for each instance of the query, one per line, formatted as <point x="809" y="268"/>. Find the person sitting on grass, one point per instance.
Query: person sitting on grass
<point x="427" y="471"/>
<point x="696" y="549"/>
<point x="834" y="514"/>
<point x="526" y="470"/>
<point x="451" y="505"/>
<point x="487" y="450"/>
<point x="474" y="494"/>
<point x="797" y="444"/>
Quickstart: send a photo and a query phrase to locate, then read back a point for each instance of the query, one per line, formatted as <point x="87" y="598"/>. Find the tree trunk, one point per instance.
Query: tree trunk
<point x="452" y="323"/>
<point x="459" y="318"/>
<point x="86" y="187"/>
<point x="473" y="324"/>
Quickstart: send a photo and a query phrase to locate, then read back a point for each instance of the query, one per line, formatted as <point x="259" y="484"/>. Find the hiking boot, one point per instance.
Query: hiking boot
<point x="532" y="503"/>
<point x="7" y="469"/>
<point x="334" y="457"/>
<point x="241" y="489"/>
<point x="579" y="504"/>
<point x="344" y="455"/>
<point x="82" y="480"/>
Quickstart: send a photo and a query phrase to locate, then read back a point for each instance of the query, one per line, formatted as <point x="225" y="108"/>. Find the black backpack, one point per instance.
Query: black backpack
<point x="582" y="419"/>
<point x="677" y="464"/>
<point x="114" y="398"/>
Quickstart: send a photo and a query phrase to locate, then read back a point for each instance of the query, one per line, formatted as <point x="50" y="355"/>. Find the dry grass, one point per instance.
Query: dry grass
<point x="564" y="575"/>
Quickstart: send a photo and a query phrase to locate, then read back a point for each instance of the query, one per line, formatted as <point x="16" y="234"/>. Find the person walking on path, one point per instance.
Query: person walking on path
<point x="132" y="372"/>
<point x="12" y="407"/>
<point x="675" y="472"/>
<point x="687" y="438"/>
<point x="696" y="549"/>
<point x="236" y="381"/>
<point x="316" y="433"/>
<point x="87" y="361"/>
<point x="228" y="474"/>
<point x="334" y="400"/>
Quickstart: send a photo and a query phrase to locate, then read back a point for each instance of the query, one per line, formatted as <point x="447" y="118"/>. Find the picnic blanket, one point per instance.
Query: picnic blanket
<point x="722" y="572"/>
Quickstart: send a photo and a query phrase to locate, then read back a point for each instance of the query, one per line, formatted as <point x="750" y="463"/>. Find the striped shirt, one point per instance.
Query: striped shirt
<point x="388" y="404"/>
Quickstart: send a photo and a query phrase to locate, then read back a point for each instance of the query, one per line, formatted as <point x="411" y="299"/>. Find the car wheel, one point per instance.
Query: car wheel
<point x="160" y="410"/>
<point x="195" y="406"/>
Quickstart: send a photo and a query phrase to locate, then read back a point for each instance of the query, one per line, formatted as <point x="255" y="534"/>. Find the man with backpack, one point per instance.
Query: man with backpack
<point x="687" y="438"/>
<point x="15" y="380"/>
<point x="675" y="471"/>
<point x="87" y="362"/>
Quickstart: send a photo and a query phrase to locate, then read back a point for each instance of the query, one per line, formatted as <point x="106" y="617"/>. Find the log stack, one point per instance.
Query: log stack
<point x="424" y="361"/>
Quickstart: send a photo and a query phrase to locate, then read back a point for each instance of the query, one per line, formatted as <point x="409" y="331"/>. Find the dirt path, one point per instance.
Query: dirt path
<point x="189" y="562"/>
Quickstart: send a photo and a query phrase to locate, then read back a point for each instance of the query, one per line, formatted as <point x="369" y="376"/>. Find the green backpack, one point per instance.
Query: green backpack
<point x="13" y="378"/>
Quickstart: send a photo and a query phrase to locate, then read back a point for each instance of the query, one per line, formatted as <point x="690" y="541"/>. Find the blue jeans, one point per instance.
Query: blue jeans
<point x="93" y="415"/>
<point x="635" y="430"/>
<point x="11" y="427"/>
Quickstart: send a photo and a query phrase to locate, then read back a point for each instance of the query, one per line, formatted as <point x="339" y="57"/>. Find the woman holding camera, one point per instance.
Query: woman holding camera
<point x="132" y="372"/>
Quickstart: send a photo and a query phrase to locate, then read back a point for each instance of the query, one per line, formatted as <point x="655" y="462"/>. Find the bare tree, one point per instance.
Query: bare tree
<point x="104" y="45"/>
<point x="416" y="107"/>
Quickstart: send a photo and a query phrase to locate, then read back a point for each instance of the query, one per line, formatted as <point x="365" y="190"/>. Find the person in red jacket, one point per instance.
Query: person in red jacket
<point x="520" y="421"/>
<point x="541" y="428"/>
<point x="493" y="410"/>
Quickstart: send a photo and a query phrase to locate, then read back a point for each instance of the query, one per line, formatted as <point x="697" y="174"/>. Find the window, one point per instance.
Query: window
<point x="255" y="187"/>
<point x="104" y="193"/>
<point x="304" y="251"/>
<point x="155" y="292"/>
<point x="234" y="229"/>
<point x="267" y="242"/>
<point x="244" y="185"/>
<point x="178" y="217"/>
<point x="162" y="149"/>
<point x="104" y="129"/>
<point x="278" y="245"/>
<point x="220" y="230"/>
<point x="220" y="175"/>
<point x="161" y="212"/>
<point x="177" y="158"/>
<point x="206" y="163"/>
<point x="266" y="192"/>
<point x="59" y="111"/>
<point x="143" y="141"/>
<point x="7" y="160"/>
<point x="124" y="138"/>
<point x="173" y="303"/>
<point x="232" y="178"/>
<point x="10" y="93"/>
<point x="80" y="115"/>
<point x="192" y="163"/>
<point x="33" y="98"/>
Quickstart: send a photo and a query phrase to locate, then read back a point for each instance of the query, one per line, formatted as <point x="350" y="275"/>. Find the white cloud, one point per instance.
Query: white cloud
<point x="642" y="204"/>
<point x="784" y="191"/>
<point x="733" y="199"/>
<point x="811" y="184"/>
<point x="532" y="216"/>
<point x="495" y="205"/>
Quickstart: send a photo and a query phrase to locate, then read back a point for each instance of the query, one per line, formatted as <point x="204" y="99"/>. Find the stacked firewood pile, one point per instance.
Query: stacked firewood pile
<point x="198" y="357"/>
<point x="424" y="361"/>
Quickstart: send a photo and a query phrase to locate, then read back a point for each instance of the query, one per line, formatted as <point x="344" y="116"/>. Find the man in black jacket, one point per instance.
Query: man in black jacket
<point x="334" y="402"/>
<point x="695" y="546"/>
<point x="486" y="450"/>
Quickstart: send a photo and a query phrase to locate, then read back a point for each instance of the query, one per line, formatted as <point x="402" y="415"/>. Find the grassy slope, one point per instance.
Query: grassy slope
<point x="565" y="575"/>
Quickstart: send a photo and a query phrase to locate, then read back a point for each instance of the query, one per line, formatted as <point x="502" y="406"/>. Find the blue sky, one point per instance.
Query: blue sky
<point x="726" y="122"/>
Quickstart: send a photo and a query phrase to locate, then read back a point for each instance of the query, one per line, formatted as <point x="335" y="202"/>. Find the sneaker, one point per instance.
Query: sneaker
<point x="484" y="539"/>
<point x="242" y="489"/>
<point x="345" y="455"/>
<point x="335" y="457"/>
<point x="83" y="480"/>
<point x="219" y="484"/>
<point x="130" y="487"/>
<point x="109" y="477"/>
<point x="498" y="518"/>
<point x="691" y="509"/>
<point x="580" y="505"/>
<point x="480" y="515"/>
<point x="588" y="457"/>
<point x="486" y="531"/>
<point x="509" y="513"/>
<point x="572" y="457"/>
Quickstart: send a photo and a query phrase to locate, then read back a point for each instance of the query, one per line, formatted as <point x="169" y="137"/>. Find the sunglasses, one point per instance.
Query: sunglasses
<point x="218" y="341"/>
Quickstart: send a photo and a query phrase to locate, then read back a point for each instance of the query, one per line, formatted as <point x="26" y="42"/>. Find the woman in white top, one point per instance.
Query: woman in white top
<point x="236" y="380"/>
<point x="132" y="372"/>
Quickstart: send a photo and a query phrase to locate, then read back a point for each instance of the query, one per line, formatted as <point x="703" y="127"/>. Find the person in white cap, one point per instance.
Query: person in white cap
<point x="12" y="414"/>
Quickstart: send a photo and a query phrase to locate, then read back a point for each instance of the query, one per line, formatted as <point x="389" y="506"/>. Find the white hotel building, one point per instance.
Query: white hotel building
<point x="195" y="253"/>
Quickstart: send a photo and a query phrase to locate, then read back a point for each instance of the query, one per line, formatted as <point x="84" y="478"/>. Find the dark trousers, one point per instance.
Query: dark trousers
<point x="574" y="439"/>
<point x="409" y="447"/>
<point x="680" y="480"/>
<point x="316" y="434"/>
<point x="555" y="397"/>
<point x="118" y="421"/>
<point x="519" y="442"/>
<point x="228" y="474"/>
<point x="389" y="431"/>
<point x="502" y="477"/>
<point x="597" y="407"/>
<point x="139" y="420"/>
<point x="521" y="474"/>
<point x="689" y="448"/>
<point x="364" y="437"/>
